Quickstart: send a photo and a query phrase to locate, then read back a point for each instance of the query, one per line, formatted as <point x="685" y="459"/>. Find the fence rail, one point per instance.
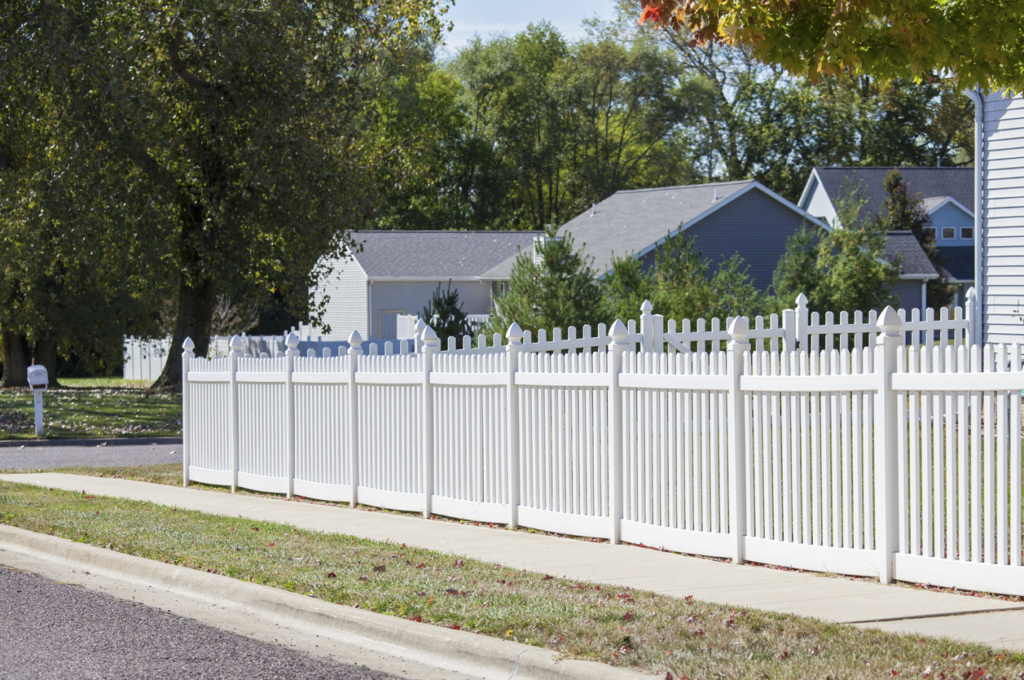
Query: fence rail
<point x="889" y="459"/>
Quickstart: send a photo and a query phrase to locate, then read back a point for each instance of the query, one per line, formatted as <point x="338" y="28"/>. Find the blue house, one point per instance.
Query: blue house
<point x="945" y="194"/>
<point x="722" y="218"/>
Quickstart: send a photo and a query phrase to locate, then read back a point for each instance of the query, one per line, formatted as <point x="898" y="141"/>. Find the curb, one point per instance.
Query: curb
<point x="109" y="441"/>
<point x="453" y="649"/>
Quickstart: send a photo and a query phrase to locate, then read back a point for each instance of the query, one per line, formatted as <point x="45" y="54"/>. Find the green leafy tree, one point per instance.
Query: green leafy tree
<point x="70" y="280"/>
<point x="557" y="291"/>
<point x="842" y="270"/>
<point x="241" y="125"/>
<point x="979" y="42"/>
<point x="625" y="287"/>
<point x="444" y="314"/>
<point x="756" y="121"/>
<point x="903" y="212"/>
<point x="571" y="124"/>
<point x="682" y="284"/>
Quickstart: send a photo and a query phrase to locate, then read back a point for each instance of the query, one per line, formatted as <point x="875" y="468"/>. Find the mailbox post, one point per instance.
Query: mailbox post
<point x="38" y="380"/>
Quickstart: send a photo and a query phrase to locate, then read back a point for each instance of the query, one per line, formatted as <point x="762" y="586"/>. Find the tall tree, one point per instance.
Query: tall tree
<point x="555" y="289"/>
<point x="902" y="211"/>
<point x="240" y="119"/>
<point x="840" y="270"/>
<point x="571" y="124"/>
<point x="977" y="41"/>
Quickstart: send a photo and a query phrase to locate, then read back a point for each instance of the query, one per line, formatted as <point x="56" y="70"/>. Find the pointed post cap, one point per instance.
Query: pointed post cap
<point x="889" y="321"/>
<point x="972" y="294"/>
<point x="420" y="325"/>
<point x="292" y="340"/>
<point x="618" y="331"/>
<point x="801" y="300"/>
<point x="514" y="333"/>
<point x="355" y="339"/>
<point x="429" y="337"/>
<point x="188" y="345"/>
<point x="739" y="329"/>
<point x="235" y="343"/>
<point x="647" y="307"/>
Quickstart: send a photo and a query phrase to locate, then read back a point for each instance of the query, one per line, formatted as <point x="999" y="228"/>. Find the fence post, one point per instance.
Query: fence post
<point x="186" y="426"/>
<point x="973" y="318"/>
<point x="887" y="346"/>
<point x="647" y="326"/>
<point x="355" y="350"/>
<point x="235" y="352"/>
<point x="417" y="334"/>
<point x="738" y="346"/>
<point x="789" y="340"/>
<point x="513" y="349"/>
<point x="801" y="322"/>
<point x="430" y="346"/>
<point x="618" y="345"/>
<point x="292" y="342"/>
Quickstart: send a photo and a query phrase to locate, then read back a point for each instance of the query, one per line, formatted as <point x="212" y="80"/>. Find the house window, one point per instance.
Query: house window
<point x="967" y="232"/>
<point x="929" y="233"/>
<point x="948" y="233"/>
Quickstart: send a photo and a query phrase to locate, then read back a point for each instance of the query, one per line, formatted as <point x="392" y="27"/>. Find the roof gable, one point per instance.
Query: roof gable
<point x="636" y="222"/>
<point x="925" y="183"/>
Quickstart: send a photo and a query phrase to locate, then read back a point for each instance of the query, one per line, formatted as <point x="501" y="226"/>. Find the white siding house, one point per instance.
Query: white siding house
<point x="396" y="272"/>
<point x="999" y="225"/>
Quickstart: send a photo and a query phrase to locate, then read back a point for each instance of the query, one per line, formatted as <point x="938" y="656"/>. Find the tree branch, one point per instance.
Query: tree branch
<point x="179" y="69"/>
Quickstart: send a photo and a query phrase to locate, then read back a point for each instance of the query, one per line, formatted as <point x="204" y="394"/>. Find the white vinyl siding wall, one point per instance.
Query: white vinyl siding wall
<point x="1003" y="211"/>
<point x="412" y="297"/>
<point x="346" y="311"/>
<point x="819" y="205"/>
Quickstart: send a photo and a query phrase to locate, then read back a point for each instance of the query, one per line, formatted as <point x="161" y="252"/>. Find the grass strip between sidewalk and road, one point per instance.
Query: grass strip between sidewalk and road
<point x="681" y="636"/>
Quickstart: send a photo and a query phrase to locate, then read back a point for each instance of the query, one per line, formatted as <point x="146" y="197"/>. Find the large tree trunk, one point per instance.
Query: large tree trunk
<point x="195" y="314"/>
<point x="16" y="354"/>
<point x="44" y="353"/>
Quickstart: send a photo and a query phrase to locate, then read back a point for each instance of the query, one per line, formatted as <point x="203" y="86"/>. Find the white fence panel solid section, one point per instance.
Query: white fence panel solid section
<point x="388" y="395"/>
<point x="960" y="467"/>
<point x="676" y="486"/>
<point x="209" y="413"/>
<point x="262" y="432"/>
<point x="322" y="405"/>
<point x="810" y="461"/>
<point x="470" y="436"/>
<point x="564" y="443"/>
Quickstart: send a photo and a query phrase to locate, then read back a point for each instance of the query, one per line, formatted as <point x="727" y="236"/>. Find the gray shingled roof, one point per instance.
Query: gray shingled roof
<point x="436" y="254"/>
<point x="924" y="182"/>
<point x="915" y="260"/>
<point x="629" y="221"/>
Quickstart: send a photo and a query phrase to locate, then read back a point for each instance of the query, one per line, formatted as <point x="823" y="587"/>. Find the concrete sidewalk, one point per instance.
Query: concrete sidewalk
<point x="985" y="620"/>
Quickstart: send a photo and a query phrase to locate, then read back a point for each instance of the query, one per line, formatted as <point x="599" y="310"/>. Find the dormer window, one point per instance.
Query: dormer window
<point x="967" y="232"/>
<point x="948" y="233"/>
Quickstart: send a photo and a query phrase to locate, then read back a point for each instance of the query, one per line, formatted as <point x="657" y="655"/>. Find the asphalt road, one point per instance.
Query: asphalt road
<point x="90" y="452"/>
<point x="54" y="630"/>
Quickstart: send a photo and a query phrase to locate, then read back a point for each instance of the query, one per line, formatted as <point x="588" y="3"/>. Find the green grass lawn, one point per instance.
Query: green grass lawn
<point x="92" y="407"/>
<point x="651" y="632"/>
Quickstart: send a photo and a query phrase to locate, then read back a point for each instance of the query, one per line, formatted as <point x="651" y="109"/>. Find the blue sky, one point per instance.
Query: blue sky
<point x="487" y="17"/>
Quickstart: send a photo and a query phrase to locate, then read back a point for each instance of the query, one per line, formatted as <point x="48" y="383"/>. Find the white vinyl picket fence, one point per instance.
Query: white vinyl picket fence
<point x="875" y="457"/>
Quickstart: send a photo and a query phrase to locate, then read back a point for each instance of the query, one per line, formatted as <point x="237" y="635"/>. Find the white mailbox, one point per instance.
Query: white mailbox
<point x="38" y="379"/>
